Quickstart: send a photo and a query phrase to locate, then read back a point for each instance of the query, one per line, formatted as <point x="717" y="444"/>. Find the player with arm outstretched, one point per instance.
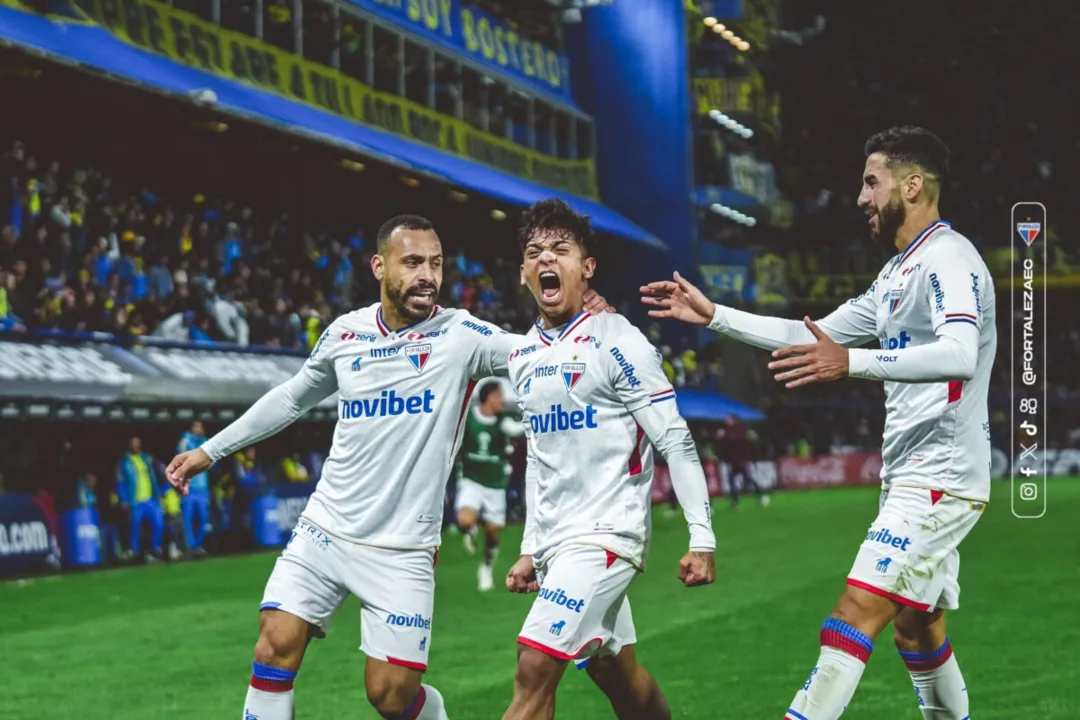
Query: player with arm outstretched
<point x="403" y="369"/>
<point x="594" y="396"/>
<point x="932" y="310"/>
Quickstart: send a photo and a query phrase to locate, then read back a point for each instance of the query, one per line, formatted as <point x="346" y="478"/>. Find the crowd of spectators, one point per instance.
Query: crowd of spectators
<point x="81" y="250"/>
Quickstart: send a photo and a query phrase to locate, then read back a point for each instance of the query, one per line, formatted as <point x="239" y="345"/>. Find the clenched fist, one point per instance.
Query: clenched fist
<point x="697" y="568"/>
<point x="186" y="466"/>
<point x="522" y="576"/>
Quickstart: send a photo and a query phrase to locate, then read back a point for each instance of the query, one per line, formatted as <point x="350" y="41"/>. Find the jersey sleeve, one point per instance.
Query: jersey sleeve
<point x="853" y="323"/>
<point x="953" y="288"/>
<point x="278" y="408"/>
<point x="491" y="347"/>
<point x="636" y="371"/>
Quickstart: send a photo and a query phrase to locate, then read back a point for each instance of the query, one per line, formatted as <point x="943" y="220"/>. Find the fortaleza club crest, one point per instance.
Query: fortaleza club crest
<point x="571" y="373"/>
<point x="894" y="299"/>
<point x="1029" y="231"/>
<point x="418" y="355"/>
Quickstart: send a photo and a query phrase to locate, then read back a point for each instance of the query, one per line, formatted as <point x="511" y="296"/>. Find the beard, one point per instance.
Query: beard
<point x="400" y="295"/>
<point x="890" y="219"/>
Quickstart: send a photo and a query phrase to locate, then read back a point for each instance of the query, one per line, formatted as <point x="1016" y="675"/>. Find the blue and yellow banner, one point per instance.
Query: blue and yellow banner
<point x="191" y="41"/>
<point x="473" y="33"/>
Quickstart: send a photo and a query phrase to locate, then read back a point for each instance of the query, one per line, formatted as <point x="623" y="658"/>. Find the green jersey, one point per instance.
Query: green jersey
<point x="484" y="448"/>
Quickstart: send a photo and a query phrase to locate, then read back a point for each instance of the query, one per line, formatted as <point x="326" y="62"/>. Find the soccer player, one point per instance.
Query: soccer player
<point x="932" y="309"/>
<point x="483" y="474"/>
<point x="403" y="369"/>
<point x="197" y="499"/>
<point x="594" y="395"/>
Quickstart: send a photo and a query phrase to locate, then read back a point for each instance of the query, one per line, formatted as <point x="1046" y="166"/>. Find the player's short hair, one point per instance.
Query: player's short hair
<point x="555" y="216"/>
<point x="911" y="145"/>
<point x="400" y="222"/>
<point x="486" y="389"/>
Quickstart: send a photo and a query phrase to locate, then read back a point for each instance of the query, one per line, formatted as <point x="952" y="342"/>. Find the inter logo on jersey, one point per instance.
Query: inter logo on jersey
<point x="418" y="355"/>
<point x="894" y="299"/>
<point x="1029" y="231"/>
<point x="571" y="374"/>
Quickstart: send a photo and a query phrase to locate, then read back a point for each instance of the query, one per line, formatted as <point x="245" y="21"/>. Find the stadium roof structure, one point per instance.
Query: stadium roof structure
<point x="91" y="47"/>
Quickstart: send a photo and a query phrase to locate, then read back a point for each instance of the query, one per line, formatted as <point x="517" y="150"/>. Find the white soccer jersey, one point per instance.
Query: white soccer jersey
<point x="589" y="458"/>
<point x="937" y="434"/>
<point x="402" y="400"/>
<point x="932" y="310"/>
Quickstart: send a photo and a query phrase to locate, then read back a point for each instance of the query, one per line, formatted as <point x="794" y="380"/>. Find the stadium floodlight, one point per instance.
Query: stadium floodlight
<point x="744" y="46"/>
<point x="719" y="28"/>
<point x="709" y="21"/>
<point x="458" y="196"/>
<point x="727" y="34"/>
<point x="751" y="221"/>
<point x="497" y="214"/>
<point x="715" y="207"/>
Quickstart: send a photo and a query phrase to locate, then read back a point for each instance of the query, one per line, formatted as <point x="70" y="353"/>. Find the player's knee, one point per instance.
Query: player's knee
<point x="864" y="611"/>
<point x="536" y="672"/>
<point x="281" y="643"/>
<point x="607" y="675"/>
<point x="390" y="696"/>
<point x="914" y="631"/>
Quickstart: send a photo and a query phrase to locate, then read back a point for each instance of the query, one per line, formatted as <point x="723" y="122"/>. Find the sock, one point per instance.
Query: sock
<point x="270" y="696"/>
<point x="832" y="682"/>
<point x="428" y="705"/>
<point x="939" y="686"/>
<point x="490" y="553"/>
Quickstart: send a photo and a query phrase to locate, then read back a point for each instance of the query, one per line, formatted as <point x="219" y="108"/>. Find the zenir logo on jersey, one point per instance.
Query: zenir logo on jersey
<point x="418" y="355"/>
<point x="582" y="339"/>
<point x="571" y="374"/>
<point x="1029" y="231"/>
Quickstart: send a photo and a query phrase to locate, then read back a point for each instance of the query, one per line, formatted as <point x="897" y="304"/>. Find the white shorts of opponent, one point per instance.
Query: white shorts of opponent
<point x="489" y="503"/>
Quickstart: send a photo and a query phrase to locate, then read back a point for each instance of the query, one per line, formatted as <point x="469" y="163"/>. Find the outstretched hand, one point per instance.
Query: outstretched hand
<point x="800" y="365"/>
<point x="679" y="300"/>
<point x="186" y="466"/>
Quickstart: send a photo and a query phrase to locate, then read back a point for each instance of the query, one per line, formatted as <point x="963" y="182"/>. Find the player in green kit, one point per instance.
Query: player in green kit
<point x="483" y="473"/>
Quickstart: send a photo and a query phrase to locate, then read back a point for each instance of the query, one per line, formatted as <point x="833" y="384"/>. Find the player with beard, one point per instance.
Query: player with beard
<point x="932" y="310"/>
<point x="404" y="369"/>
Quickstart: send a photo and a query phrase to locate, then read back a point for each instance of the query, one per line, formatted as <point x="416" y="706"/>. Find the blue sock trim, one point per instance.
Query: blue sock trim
<point x="795" y="715"/>
<point x="841" y="627"/>
<point x="924" y="657"/>
<point x="267" y="672"/>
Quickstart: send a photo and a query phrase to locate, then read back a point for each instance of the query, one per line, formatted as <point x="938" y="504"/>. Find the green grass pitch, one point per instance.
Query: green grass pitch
<point x="175" y="641"/>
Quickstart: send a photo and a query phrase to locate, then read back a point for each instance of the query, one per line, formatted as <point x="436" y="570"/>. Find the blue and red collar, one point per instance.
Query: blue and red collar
<point x="385" y="329"/>
<point x="920" y="240"/>
<point x="575" y="323"/>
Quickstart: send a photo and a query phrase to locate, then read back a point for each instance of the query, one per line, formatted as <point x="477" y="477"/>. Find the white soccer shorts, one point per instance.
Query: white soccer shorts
<point x="581" y="610"/>
<point x="396" y="589"/>
<point x="490" y="503"/>
<point x="910" y="552"/>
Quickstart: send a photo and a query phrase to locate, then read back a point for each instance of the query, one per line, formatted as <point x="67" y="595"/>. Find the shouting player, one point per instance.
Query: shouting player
<point x="404" y="369"/>
<point x="594" y="395"/>
<point x="932" y="309"/>
<point x="483" y="473"/>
